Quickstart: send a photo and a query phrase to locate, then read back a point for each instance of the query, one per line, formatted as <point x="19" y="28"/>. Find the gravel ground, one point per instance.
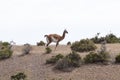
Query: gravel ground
<point x="33" y="65"/>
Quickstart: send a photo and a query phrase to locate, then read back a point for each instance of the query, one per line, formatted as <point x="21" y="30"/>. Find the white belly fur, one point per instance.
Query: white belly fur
<point x="54" y="40"/>
<point x="47" y="40"/>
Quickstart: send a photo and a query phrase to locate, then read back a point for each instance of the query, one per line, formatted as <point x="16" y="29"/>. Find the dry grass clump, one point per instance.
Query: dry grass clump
<point x="26" y="49"/>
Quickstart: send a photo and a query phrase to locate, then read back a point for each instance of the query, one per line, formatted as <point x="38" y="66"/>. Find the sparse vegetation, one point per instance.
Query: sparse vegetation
<point x="48" y="50"/>
<point x="19" y="76"/>
<point x="41" y="43"/>
<point x="83" y="45"/>
<point x="54" y="59"/>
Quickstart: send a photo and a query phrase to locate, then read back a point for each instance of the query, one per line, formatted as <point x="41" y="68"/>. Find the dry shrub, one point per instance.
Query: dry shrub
<point x="26" y="49"/>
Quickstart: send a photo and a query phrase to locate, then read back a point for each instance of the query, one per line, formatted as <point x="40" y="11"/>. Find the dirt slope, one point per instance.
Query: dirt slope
<point x="34" y="65"/>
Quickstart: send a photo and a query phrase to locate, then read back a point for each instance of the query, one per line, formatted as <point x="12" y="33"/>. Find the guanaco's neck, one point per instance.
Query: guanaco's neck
<point x="63" y="36"/>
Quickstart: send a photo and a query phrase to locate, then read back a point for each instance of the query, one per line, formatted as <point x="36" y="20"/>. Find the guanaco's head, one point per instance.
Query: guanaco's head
<point x="45" y="35"/>
<point x="65" y="31"/>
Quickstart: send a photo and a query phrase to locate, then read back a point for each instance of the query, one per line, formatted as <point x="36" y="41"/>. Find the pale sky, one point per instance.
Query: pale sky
<point x="27" y="21"/>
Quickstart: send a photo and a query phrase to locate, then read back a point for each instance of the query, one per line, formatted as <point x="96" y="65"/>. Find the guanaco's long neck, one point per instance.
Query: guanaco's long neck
<point x="63" y="36"/>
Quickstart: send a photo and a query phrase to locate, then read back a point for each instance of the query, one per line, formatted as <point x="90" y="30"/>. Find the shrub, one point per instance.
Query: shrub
<point x="83" y="45"/>
<point x="19" y="76"/>
<point x="93" y="57"/>
<point x="5" y="51"/>
<point x="5" y="44"/>
<point x="41" y="43"/>
<point x="117" y="59"/>
<point x="72" y="60"/>
<point x="54" y="59"/>
<point x="110" y="38"/>
<point x="26" y="49"/>
<point x="98" y="40"/>
<point x="63" y="64"/>
<point x="48" y="50"/>
<point x="69" y="43"/>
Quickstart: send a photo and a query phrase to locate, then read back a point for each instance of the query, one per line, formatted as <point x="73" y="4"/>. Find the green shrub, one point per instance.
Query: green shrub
<point x="41" y="43"/>
<point x="5" y="44"/>
<point x="83" y="45"/>
<point x="91" y="58"/>
<point x="117" y="59"/>
<point x="110" y="38"/>
<point x="100" y="57"/>
<point x="5" y="53"/>
<point x="72" y="60"/>
<point x="54" y="59"/>
<point x="19" y="76"/>
<point x="48" y="50"/>
<point x="98" y="40"/>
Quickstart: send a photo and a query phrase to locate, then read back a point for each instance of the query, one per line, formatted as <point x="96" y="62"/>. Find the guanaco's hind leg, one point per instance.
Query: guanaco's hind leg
<point x="56" y="45"/>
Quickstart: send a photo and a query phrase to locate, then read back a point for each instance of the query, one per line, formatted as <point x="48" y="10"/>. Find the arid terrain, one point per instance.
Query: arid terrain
<point x="33" y="65"/>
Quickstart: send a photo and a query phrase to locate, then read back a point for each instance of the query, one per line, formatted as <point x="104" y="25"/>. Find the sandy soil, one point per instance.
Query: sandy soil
<point x="34" y="65"/>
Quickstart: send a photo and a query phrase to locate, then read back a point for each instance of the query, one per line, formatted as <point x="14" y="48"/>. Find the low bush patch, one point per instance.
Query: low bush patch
<point x="83" y="45"/>
<point x="70" y="61"/>
<point x="54" y="59"/>
<point x="19" y="76"/>
<point x="48" y="50"/>
<point x="117" y="59"/>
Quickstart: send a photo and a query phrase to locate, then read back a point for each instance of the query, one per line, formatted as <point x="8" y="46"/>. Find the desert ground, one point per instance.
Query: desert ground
<point x="33" y="65"/>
